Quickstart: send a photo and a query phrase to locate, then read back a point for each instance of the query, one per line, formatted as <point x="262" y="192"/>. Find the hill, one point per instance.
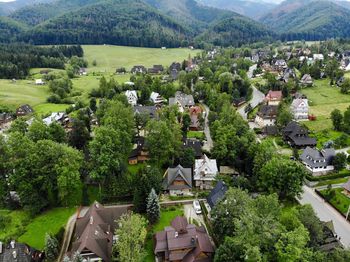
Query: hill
<point x="309" y="20"/>
<point x="39" y="13"/>
<point x="236" y="31"/>
<point x="252" y="9"/>
<point x="9" y="7"/>
<point x="190" y="13"/>
<point x="9" y="29"/>
<point x="110" y="22"/>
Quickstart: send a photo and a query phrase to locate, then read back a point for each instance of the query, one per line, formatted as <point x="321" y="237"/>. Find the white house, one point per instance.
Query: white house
<point x="205" y="171"/>
<point x="300" y="109"/>
<point x="39" y="82"/>
<point x="156" y="98"/>
<point x="132" y="97"/>
<point x="54" y="117"/>
<point x="319" y="57"/>
<point x="318" y="162"/>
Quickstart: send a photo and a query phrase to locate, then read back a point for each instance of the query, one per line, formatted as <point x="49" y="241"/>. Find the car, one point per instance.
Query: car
<point x="197" y="207"/>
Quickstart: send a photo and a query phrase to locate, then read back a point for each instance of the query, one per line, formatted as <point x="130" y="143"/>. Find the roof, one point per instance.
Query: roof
<point x="140" y="143"/>
<point x="94" y="231"/>
<point x="26" y="108"/>
<point x="270" y="130"/>
<point x="195" y="144"/>
<point x="183" y="242"/>
<point x="316" y="158"/>
<point x="274" y="95"/>
<point x="179" y="174"/>
<point x="297" y="135"/>
<point x="151" y="111"/>
<point x="306" y="79"/>
<point x="205" y="169"/>
<point x="131" y="93"/>
<point x="299" y="102"/>
<point x="183" y="99"/>
<point x="54" y="117"/>
<point x="217" y="193"/>
<point x="268" y="111"/>
<point x="23" y="253"/>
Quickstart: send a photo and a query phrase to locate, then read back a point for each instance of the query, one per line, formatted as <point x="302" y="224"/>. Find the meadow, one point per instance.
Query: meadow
<point x="108" y="58"/>
<point x="323" y="99"/>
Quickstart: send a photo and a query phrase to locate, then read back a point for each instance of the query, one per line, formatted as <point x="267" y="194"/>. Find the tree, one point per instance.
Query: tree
<point x="187" y="157"/>
<point x="93" y="103"/>
<point x="131" y="237"/>
<point x="51" y="247"/>
<point x="19" y="125"/>
<point x="284" y="116"/>
<point x="38" y="131"/>
<point x="339" y="161"/>
<point x="153" y="207"/>
<point x="80" y="135"/>
<point x="337" y="119"/>
<point x="186" y="122"/>
<point x="57" y="133"/>
<point x="345" y="87"/>
<point x="281" y="176"/>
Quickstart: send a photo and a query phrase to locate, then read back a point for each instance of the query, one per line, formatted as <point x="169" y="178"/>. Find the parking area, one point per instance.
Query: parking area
<point x="191" y="215"/>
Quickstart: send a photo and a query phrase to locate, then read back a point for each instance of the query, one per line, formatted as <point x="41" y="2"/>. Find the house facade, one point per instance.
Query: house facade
<point x="195" y="115"/>
<point x="139" y="154"/>
<point x="24" y="110"/>
<point x="183" y="242"/>
<point x="131" y="95"/>
<point x="183" y="101"/>
<point x="300" y="109"/>
<point x="266" y="116"/>
<point x="178" y="181"/>
<point x="318" y="162"/>
<point x="274" y="98"/>
<point x="205" y="172"/>
<point x="306" y="80"/>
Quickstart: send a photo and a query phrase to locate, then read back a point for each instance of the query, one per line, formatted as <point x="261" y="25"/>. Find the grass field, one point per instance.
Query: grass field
<point x="109" y="58"/>
<point x="167" y="215"/>
<point x="14" y="225"/>
<point x="49" y="222"/>
<point x="338" y="200"/>
<point x="323" y="99"/>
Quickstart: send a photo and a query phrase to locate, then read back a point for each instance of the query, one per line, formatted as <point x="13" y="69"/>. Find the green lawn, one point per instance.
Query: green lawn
<point x="196" y="134"/>
<point x="333" y="181"/>
<point x="109" y="57"/>
<point x="49" y="222"/>
<point x="323" y="99"/>
<point x="327" y="135"/>
<point x="338" y="200"/>
<point x="167" y="215"/>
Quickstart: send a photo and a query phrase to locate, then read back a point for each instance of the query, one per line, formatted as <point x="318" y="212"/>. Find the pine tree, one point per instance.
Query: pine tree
<point x="153" y="208"/>
<point x="51" y="247"/>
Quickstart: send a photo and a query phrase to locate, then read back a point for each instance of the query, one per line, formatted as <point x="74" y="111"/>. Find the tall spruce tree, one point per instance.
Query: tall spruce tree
<point x="153" y="208"/>
<point x="51" y="247"/>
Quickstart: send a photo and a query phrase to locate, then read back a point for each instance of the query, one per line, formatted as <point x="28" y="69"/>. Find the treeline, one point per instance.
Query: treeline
<point x="17" y="59"/>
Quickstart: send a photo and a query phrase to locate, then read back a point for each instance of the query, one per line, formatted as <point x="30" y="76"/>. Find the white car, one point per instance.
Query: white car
<point x="197" y="207"/>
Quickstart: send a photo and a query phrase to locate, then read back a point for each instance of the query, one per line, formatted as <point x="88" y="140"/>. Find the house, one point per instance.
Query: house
<point x="300" y="109"/>
<point x="139" y="69"/>
<point x="266" y="116"/>
<point x="195" y="115"/>
<point x="156" y="69"/>
<point x="194" y="144"/>
<point x="270" y="131"/>
<point x="156" y="98"/>
<point x="288" y="74"/>
<point x="175" y="66"/>
<point x="5" y="118"/>
<point x="297" y="137"/>
<point x="178" y="181"/>
<point x="318" y="162"/>
<point x="183" y="242"/>
<point x="217" y="193"/>
<point x="174" y="74"/>
<point x="346" y="188"/>
<point x="139" y="154"/>
<point x="55" y="117"/>
<point x="18" y="252"/>
<point x="205" y="172"/>
<point x="94" y="232"/>
<point x="274" y="98"/>
<point x="182" y="100"/>
<point x="82" y="71"/>
<point x="24" y="110"/>
<point x="280" y="64"/>
<point x="39" y="82"/>
<point x="150" y="111"/>
<point x="306" y="80"/>
<point x="319" y="57"/>
<point x="131" y="95"/>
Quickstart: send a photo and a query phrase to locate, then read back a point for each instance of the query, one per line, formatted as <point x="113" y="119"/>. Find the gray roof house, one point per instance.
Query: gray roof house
<point x="178" y="180"/>
<point x="217" y="193"/>
<point x="182" y="100"/>
<point x="18" y="252"/>
<point x="318" y="162"/>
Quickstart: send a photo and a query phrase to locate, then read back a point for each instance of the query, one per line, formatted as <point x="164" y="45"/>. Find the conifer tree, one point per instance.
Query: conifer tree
<point x="51" y="247"/>
<point x="153" y="208"/>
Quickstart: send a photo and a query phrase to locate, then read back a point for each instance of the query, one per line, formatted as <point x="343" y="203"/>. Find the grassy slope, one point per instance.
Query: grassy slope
<point x="50" y="221"/>
<point x="323" y="100"/>
<point x="111" y="57"/>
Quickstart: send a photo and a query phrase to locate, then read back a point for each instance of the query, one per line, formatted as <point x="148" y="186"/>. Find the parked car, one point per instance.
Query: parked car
<point x="197" y="207"/>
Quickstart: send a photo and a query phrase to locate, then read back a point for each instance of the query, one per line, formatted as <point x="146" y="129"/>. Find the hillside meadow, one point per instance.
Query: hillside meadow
<point x="108" y="59"/>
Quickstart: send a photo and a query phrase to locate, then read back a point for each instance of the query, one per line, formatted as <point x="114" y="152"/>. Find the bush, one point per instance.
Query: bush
<point x="54" y="99"/>
<point x="4" y="220"/>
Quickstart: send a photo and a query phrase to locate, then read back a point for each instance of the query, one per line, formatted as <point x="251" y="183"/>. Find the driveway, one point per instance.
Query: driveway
<point x="257" y="98"/>
<point x="191" y="214"/>
<point x="327" y="213"/>
<point x="208" y="145"/>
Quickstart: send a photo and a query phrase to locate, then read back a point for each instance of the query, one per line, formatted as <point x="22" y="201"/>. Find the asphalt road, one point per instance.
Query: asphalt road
<point x="327" y="213"/>
<point x="257" y="98"/>
<point x="208" y="145"/>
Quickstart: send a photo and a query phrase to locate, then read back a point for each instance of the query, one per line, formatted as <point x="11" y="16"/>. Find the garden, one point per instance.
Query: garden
<point x="337" y="199"/>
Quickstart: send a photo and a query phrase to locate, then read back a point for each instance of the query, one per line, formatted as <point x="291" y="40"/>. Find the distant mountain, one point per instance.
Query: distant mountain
<point x="309" y="20"/>
<point x="9" y="29"/>
<point x="117" y="22"/>
<point x="251" y="8"/>
<point x="236" y="31"/>
<point x="9" y="7"/>
<point x="38" y="13"/>
<point x="345" y="4"/>
<point x="190" y="12"/>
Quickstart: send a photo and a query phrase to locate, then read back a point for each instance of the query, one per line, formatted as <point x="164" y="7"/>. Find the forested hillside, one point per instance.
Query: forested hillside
<point x="235" y="31"/>
<point x="11" y="6"/>
<point x="9" y="29"/>
<point x="312" y="21"/>
<point x="110" y="22"/>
